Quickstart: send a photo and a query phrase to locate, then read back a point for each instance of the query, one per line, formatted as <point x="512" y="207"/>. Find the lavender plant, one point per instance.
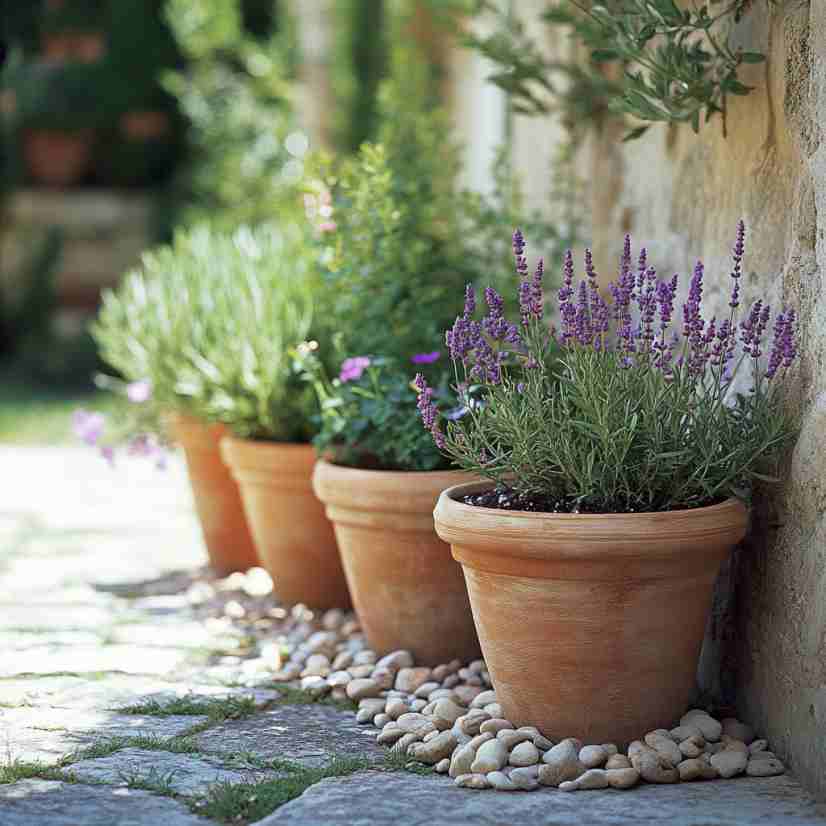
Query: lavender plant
<point x="624" y="407"/>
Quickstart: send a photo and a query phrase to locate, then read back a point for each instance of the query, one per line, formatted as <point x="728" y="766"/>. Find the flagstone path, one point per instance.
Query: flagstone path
<point x="135" y="690"/>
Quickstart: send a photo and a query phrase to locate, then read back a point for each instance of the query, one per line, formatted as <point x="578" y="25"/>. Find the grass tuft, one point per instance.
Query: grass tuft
<point x="152" y="781"/>
<point x="13" y="770"/>
<point x="217" y="709"/>
<point x="396" y="761"/>
<point x="293" y="696"/>
<point x="105" y="747"/>
<point x="234" y="802"/>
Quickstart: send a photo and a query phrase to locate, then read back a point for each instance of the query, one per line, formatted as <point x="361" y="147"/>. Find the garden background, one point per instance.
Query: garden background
<point x="209" y="108"/>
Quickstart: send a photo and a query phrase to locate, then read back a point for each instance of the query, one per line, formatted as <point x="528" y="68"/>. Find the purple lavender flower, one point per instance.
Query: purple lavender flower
<point x="783" y="348"/>
<point x="428" y="410"/>
<point x="470" y="301"/>
<point x="352" y="368"/>
<point x="426" y="358"/>
<point x="519" y="253"/>
<point x="139" y="392"/>
<point x="88" y="426"/>
<point x="567" y="311"/>
<point x="108" y="453"/>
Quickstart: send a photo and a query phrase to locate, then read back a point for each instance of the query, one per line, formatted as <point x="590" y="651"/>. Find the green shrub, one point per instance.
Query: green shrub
<point x="210" y="322"/>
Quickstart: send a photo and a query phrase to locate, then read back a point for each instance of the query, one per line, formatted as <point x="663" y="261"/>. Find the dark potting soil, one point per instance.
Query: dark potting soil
<point x="507" y="499"/>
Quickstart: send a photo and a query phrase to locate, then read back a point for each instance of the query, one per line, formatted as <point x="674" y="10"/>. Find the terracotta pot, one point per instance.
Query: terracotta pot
<point x="591" y="625"/>
<point x="294" y="539"/>
<point x="58" y="158"/>
<point x="407" y="590"/>
<point x="144" y="125"/>
<point x="217" y="501"/>
<point x="74" y="46"/>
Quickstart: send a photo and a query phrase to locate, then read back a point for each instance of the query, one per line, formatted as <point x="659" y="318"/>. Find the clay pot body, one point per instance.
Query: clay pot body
<point x="294" y="538"/>
<point x="590" y="624"/>
<point x="57" y="158"/>
<point x="217" y="501"/>
<point x="408" y="591"/>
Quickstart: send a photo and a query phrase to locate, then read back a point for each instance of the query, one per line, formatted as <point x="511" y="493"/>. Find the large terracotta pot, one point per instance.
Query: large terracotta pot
<point x="217" y="501"/>
<point x="591" y="625"/>
<point x="408" y="591"/>
<point x="294" y="539"/>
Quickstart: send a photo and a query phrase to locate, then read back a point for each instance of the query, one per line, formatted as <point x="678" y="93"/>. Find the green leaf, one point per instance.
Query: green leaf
<point x="635" y="133"/>
<point x="752" y="57"/>
<point x="604" y="55"/>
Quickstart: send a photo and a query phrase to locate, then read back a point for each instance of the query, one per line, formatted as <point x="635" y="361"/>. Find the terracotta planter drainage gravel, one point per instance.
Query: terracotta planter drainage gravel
<point x="217" y="500"/>
<point x="590" y="625"/>
<point x="407" y="590"/>
<point x="294" y="538"/>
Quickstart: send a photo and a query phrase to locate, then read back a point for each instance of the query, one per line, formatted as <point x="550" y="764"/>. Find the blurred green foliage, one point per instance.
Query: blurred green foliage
<point x="407" y="237"/>
<point x="235" y="94"/>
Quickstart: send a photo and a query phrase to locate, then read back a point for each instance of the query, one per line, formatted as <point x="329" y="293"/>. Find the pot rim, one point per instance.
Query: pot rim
<point x="347" y="491"/>
<point x="243" y="443"/>
<point x="333" y="469"/>
<point x="536" y="534"/>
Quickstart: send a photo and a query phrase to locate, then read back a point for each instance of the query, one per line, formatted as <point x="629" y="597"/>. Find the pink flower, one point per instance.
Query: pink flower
<point x="352" y="368"/>
<point x="139" y="391"/>
<point x="108" y="453"/>
<point x="327" y="226"/>
<point x="88" y="426"/>
<point x="426" y="358"/>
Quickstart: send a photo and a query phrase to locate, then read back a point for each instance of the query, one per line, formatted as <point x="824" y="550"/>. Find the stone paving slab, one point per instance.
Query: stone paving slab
<point x="52" y="803"/>
<point x="306" y="734"/>
<point x="47" y="734"/>
<point x="380" y="799"/>
<point x="130" y="659"/>
<point x="185" y="774"/>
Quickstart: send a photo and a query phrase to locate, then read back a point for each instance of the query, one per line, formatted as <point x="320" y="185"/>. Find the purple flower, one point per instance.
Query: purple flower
<point x="353" y="368"/>
<point x="108" y="453"/>
<point x="783" y="349"/>
<point x="470" y="301"/>
<point x="88" y="426"/>
<point x="426" y="358"/>
<point x="428" y="410"/>
<point x="139" y="391"/>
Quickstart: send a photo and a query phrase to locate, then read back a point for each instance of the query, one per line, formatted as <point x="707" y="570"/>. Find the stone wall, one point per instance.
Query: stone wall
<point x="104" y="233"/>
<point x="682" y="194"/>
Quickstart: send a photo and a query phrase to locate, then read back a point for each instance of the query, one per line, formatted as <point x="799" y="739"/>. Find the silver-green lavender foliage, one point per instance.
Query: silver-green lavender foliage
<point x="210" y="321"/>
<point x="619" y="409"/>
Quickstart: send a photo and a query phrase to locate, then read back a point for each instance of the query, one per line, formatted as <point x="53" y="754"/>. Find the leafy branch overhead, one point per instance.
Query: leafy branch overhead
<point x="648" y="59"/>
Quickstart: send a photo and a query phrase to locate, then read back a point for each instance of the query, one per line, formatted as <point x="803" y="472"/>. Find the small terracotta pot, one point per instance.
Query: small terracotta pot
<point x="217" y="501"/>
<point x="294" y="538"/>
<point x="74" y="46"/>
<point x="58" y="158"/>
<point x="144" y="125"/>
<point x="591" y="624"/>
<point x="408" y="591"/>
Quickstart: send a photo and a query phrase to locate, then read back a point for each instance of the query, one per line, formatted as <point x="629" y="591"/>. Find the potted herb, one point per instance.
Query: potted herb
<point x="400" y="238"/>
<point x="262" y="311"/>
<point x="618" y="452"/>
<point x="74" y="32"/>
<point x="379" y="481"/>
<point x="154" y="330"/>
<point x="55" y="120"/>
